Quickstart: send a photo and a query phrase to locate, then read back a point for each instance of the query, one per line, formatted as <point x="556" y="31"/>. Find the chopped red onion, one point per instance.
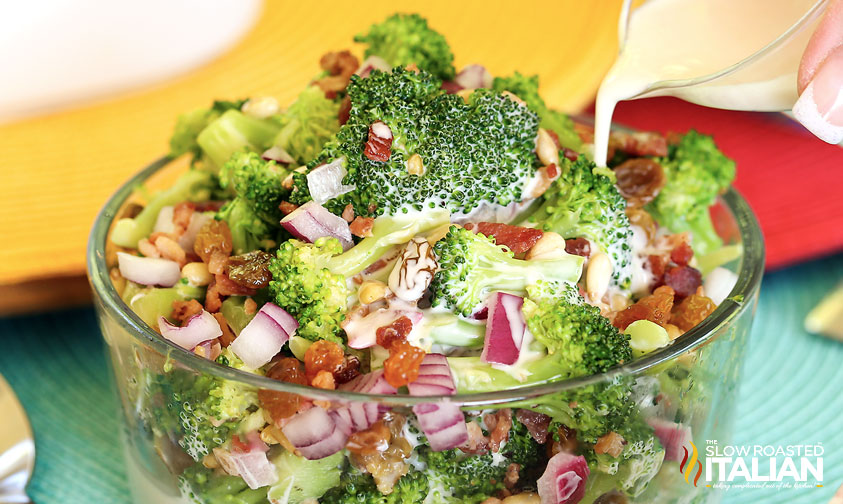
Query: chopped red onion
<point x="164" y="221"/>
<point x="197" y="330"/>
<point x="325" y="181"/>
<point x="253" y="466"/>
<point x="263" y="337"/>
<point x="317" y="433"/>
<point x="148" y="270"/>
<point x="673" y="437"/>
<point x="505" y="329"/>
<point x="312" y="221"/>
<point x="197" y="220"/>
<point x="443" y="423"/>
<point x="563" y="482"/>
<point x="362" y="332"/>
<point x="473" y="77"/>
<point x="451" y="87"/>
<point x="278" y="155"/>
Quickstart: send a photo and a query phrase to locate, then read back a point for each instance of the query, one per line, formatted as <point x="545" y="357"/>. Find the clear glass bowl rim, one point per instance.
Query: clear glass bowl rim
<point x="740" y="299"/>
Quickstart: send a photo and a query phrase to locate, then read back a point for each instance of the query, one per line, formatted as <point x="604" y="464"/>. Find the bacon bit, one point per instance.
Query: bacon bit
<point x="213" y="301"/>
<point x="362" y="226"/>
<point x="451" y="87"/>
<point x="518" y="239"/>
<point x="657" y="265"/>
<point x="567" y="441"/>
<point x="570" y="154"/>
<point x="341" y="66"/>
<point x="412" y="67"/>
<point x="398" y="330"/>
<point x="287" y="208"/>
<point x="682" y="254"/>
<point x="223" y="286"/>
<point x="552" y="171"/>
<point x="183" y="310"/>
<point x="146" y="248"/>
<point x="181" y="216"/>
<point x="345" y="110"/>
<point x="324" y="380"/>
<point x="683" y="279"/>
<point x="691" y="311"/>
<point x="379" y="144"/>
<point x="210" y="206"/>
<point x="612" y="443"/>
<point x="555" y="138"/>
<point x="512" y="475"/>
<point x="640" y="143"/>
<point x="227" y="335"/>
<point x="348" y="213"/>
<point x="499" y="424"/>
<point x="656" y="308"/>
<point x="578" y="246"/>
<point x="249" y="306"/>
<point x="536" y="423"/>
<point x="171" y="250"/>
<point x="477" y="443"/>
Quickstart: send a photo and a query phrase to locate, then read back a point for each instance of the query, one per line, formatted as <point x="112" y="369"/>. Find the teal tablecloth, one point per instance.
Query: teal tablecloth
<point x="791" y="393"/>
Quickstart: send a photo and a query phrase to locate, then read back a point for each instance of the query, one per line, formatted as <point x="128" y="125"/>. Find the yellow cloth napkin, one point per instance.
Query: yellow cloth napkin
<point x="58" y="170"/>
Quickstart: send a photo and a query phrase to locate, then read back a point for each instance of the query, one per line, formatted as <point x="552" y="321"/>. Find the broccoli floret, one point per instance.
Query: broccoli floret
<point x="309" y="280"/>
<point x="304" y="286"/>
<point x="204" y="486"/>
<point x="583" y="203"/>
<point x="248" y="231"/>
<point x="309" y="122"/>
<point x="403" y="39"/>
<point x="696" y="172"/>
<point x="195" y="185"/>
<point x="527" y="88"/>
<point x="471" y="265"/>
<point x="574" y="333"/>
<point x="359" y="488"/>
<point x="481" y="152"/>
<point x="190" y="124"/>
<point x="198" y="410"/>
<point x="257" y="181"/>
<point x="234" y="131"/>
<point x="457" y="477"/>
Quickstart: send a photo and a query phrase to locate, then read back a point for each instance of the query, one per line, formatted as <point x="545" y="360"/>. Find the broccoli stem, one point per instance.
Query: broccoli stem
<point x="448" y="329"/>
<point x="195" y="185"/>
<point x="234" y="131"/>
<point x="387" y="231"/>
<point x="471" y="375"/>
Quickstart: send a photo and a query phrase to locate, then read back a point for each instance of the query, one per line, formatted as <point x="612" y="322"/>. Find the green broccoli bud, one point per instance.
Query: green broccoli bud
<point x="472" y="154"/>
<point x="403" y="39"/>
<point x="234" y="131"/>
<point x="527" y="88"/>
<point x="472" y="265"/>
<point x="359" y="488"/>
<point x="308" y="124"/>
<point x="194" y="185"/>
<point x="257" y="181"/>
<point x="575" y="334"/>
<point x="248" y="231"/>
<point x="303" y="285"/>
<point x="696" y="172"/>
<point x="583" y="204"/>
<point x="190" y="124"/>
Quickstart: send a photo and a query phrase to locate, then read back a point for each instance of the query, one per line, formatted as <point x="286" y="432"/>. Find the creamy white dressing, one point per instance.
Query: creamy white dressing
<point x="677" y="40"/>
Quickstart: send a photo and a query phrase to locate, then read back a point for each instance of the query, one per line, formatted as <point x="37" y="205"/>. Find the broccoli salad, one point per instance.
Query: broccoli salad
<point x="404" y="228"/>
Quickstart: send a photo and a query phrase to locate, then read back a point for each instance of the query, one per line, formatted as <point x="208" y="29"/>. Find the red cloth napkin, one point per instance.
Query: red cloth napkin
<point x="792" y="180"/>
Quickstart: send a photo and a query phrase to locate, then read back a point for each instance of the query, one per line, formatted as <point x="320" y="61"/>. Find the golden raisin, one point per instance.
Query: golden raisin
<point x="250" y="270"/>
<point x="639" y="180"/>
<point x="323" y="356"/>
<point x="656" y="308"/>
<point x="402" y="365"/>
<point x="691" y="311"/>
<point x="397" y="331"/>
<point x="282" y="405"/>
<point x="372" y="440"/>
<point x="213" y="245"/>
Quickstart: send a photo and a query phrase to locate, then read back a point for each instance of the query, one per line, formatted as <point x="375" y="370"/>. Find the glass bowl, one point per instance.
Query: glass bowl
<point x="695" y="379"/>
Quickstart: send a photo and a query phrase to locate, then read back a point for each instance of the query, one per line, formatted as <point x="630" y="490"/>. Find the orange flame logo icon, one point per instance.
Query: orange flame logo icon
<point x="688" y="469"/>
